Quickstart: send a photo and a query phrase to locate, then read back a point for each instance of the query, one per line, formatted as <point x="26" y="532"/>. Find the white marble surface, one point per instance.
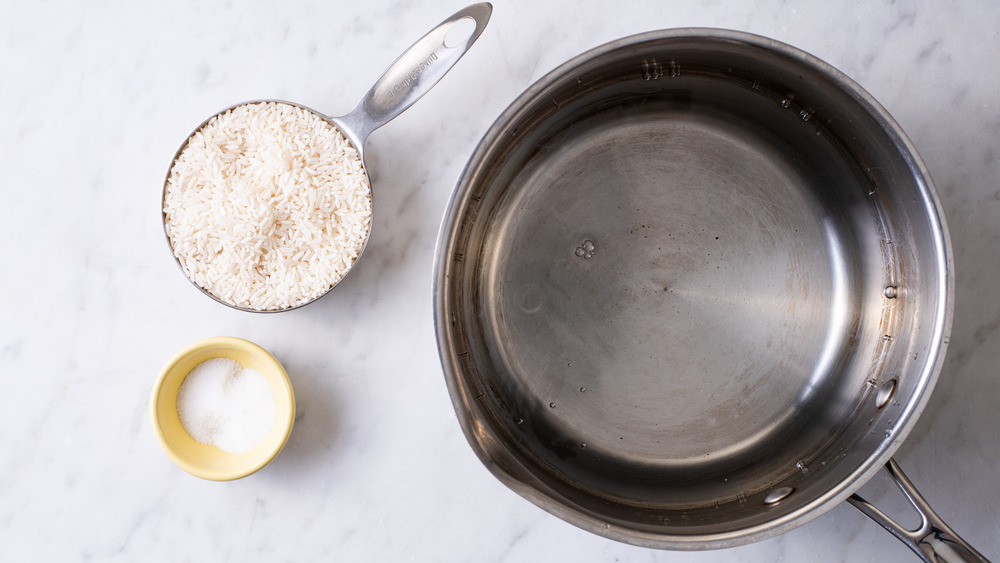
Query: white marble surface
<point x="95" y="97"/>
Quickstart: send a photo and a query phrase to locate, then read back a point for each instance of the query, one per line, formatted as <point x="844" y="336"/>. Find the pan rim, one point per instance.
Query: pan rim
<point x="942" y="316"/>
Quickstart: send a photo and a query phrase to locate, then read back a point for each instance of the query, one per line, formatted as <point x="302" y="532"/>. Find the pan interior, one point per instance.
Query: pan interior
<point x="670" y="291"/>
<point x="667" y="296"/>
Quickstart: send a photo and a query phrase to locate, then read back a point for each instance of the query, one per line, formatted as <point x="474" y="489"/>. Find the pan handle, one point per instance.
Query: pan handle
<point x="933" y="541"/>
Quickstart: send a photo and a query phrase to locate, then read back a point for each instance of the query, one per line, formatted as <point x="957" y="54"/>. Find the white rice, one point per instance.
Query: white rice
<point x="267" y="206"/>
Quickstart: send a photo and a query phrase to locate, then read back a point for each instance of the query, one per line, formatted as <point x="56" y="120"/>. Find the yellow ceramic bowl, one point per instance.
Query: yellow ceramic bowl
<point x="209" y="462"/>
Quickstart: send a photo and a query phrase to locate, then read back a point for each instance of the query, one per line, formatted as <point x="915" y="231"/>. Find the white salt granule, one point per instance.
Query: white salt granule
<point x="267" y="206"/>
<point x="223" y="405"/>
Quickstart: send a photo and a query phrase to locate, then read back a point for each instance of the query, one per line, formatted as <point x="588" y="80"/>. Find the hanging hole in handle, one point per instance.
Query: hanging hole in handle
<point x="932" y="539"/>
<point x="460" y="32"/>
<point x="890" y="500"/>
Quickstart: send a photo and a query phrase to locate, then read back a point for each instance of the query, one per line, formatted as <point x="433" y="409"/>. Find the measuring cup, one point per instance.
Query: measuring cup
<point x="406" y="80"/>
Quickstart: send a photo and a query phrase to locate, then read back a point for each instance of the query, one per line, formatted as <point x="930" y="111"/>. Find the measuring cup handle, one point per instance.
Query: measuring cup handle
<point x="414" y="73"/>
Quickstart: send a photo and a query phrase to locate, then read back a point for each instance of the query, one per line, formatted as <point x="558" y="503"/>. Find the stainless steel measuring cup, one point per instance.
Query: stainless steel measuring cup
<point x="406" y="80"/>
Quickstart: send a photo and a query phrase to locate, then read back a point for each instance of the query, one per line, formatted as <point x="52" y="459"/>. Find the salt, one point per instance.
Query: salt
<point x="222" y="404"/>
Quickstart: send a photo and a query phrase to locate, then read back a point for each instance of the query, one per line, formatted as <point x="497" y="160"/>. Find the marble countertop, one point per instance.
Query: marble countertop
<point x="97" y="96"/>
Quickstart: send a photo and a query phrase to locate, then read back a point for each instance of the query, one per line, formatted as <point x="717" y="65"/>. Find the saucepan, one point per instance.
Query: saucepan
<point x="692" y="290"/>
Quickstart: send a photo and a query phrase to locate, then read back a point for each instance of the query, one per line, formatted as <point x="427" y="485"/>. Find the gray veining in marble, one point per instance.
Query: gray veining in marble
<point x="97" y="96"/>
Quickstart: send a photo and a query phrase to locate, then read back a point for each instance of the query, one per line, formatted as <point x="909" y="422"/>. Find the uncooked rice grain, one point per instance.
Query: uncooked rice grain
<point x="267" y="206"/>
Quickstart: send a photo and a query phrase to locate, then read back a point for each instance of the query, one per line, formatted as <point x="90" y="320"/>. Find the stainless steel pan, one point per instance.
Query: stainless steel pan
<point x="693" y="289"/>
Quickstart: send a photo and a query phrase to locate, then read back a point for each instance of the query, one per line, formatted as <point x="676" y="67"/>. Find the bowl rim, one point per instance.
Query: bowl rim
<point x="231" y="342"/>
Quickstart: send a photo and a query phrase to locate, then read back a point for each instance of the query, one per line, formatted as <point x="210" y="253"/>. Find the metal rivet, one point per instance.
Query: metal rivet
<point x="885" y="393"/>
<point x="778" y="495"/>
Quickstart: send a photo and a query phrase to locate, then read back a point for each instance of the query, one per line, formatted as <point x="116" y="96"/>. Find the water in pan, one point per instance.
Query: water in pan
<point x="692" y="278"/>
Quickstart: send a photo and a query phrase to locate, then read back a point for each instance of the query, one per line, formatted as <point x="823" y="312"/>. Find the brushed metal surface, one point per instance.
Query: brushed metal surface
<point x="672" y="280"/>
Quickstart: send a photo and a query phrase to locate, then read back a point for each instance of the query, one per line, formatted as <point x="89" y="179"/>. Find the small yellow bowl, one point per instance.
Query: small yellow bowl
<point x="210" y="462"/>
